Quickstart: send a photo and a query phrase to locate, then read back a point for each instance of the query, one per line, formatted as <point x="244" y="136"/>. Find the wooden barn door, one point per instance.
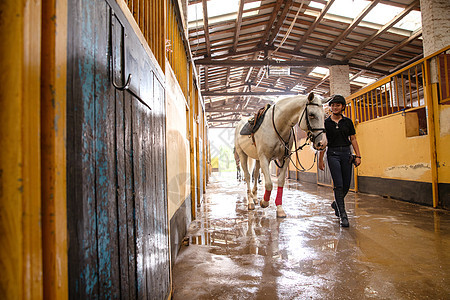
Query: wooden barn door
<point x="117" y="207"/>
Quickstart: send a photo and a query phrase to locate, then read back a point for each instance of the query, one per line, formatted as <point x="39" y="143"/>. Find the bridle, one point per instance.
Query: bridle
<point x="310" y="136"/>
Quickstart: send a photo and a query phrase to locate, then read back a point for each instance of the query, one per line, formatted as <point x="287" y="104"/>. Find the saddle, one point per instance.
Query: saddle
<point x="254" y="122"/>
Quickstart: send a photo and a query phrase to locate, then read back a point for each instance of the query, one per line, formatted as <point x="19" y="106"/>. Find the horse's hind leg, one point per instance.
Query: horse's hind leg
<point x="244" y="164"/>
<point x="255" y="181"/>
<point x="264" y="163"/>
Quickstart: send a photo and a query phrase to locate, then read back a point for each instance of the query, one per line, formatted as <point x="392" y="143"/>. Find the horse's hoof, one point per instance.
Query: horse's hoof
<point x="280" y="212"/>
<point x="255" y="200"/>
<point x="264" y="204"/>
<point x="251" y="206"/>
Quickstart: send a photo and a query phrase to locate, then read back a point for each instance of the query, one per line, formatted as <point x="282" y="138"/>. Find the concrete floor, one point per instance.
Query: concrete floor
<point x="392" y="250"/>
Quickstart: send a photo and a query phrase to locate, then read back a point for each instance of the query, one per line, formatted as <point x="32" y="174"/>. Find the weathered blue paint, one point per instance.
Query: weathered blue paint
<point x="89" y="279"/>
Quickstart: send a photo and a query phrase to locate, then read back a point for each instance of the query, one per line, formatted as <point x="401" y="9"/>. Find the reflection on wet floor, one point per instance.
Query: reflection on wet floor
<point x="392" y="250"/>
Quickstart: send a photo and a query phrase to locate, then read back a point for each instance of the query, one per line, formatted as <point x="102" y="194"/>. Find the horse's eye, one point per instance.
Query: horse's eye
<point x="311" y="116"/>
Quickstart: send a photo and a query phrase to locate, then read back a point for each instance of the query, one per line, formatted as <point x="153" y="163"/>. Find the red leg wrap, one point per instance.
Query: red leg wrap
<point x="278" y="199"/>
<point x="267" y="195"/>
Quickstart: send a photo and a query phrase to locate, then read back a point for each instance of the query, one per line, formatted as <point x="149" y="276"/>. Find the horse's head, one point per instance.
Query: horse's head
<point x="312" y="121"/>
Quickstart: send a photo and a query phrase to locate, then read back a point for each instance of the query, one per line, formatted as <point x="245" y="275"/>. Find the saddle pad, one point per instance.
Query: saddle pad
<point x="254" y="123"/>
<point x="247" y="129"/>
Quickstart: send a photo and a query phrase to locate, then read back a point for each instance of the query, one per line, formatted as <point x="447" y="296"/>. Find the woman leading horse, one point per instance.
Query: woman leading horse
<point x="274" y="139"/>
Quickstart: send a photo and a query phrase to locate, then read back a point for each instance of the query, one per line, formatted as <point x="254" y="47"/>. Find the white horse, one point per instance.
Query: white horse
<point x="274" y="139"/>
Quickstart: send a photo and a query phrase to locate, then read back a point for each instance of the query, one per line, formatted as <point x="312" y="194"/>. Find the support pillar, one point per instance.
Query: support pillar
<point x="435" y="27"/>
<point x="339" y="80"/>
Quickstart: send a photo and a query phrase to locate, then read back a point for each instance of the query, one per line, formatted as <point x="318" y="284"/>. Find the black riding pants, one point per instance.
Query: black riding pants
<point x="339" y="162"/>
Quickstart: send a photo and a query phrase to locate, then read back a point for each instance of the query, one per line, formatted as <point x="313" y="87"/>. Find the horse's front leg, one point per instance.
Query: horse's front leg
<point x="244" y="165"/>
<point x="264" y="162"/>
<point x="279" y="199"/>
<point x="255" y="181"/>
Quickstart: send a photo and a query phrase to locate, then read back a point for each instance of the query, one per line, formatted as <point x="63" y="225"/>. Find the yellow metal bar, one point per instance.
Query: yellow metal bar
<point x="204" y="148"/>
<point x="375" y="106"/>
<point x="360" y="118"/>
<point x="197" y="150"/>
<point x="371" y="103"/>
<point x="423" y="81"/>
<point x="31" y="222"/>
<point x="53" y="122"/>
<point x="447" y="85"/>
<point x="191" y="140"/>
<point x="403" y="91"/>
<point x="363" y="112"/>
<point x="366" y="112"/>
<point x="429" y="93"/>
<point x="353" y="117"/>
<point x="20" y="229"/>
<point x="417" y="85"/>
<point x="163" y="33"/>
<point x="141" y="15"/>
<point x="147" y="21"/>
<point x="409" y="89"/>
<point x="378" y="94"/>
<point x="396" y="93"/>
<point x="388" y="99"/>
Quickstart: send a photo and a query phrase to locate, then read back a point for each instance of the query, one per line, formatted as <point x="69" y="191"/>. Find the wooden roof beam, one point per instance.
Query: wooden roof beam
<point x="352" y="26"/>
<point x="337" y="62"/>
<point x="313" y="25"/>
<point x="227" y="78"/>
<point x="325" y="78"/>
<point x="238" y="26"/>
<point x="300" y="78"/>
<point x="206" y="27"/>
<point x="383" y="29"/>
<point x="264" y="63"/>
<point x="280" y="22"/>
<point x="271" y="21"/>
<point x="395" y="49"/>
<point x="206" y="78"/>
<point x="224" y="94"/>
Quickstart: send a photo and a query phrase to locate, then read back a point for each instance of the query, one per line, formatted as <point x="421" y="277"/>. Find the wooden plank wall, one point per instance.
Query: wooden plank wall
<point x="117" y="209"/>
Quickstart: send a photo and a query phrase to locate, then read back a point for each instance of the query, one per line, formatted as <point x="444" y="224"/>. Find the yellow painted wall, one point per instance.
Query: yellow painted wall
<point x="178" y="169"/>
<point x="443" y="144"/>
<point x="388" y="153"/>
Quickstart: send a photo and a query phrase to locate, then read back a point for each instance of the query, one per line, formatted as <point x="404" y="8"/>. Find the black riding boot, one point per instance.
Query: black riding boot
<point x="334" y="206"/>
<point x="339" y="196"/>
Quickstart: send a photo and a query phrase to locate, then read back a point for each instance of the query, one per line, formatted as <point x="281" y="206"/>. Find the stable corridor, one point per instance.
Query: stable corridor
<point x="392" y="250"/>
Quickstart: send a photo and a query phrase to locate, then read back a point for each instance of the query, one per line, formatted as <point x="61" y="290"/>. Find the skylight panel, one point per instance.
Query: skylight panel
<point x="348" y="8"/>
<point x="251" y="5"/>
<point x="219" y="11"/>
<point x="363" y="80"/>
<point x="412" y="21"/>
<point x="316" y="5"/>
<point x="221" y="7"/>
<point x="319" y="72"/>
<point x="382" y="13"/>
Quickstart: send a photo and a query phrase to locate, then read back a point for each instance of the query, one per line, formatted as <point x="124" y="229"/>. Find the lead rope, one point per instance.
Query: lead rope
<point x="287" y="151"/>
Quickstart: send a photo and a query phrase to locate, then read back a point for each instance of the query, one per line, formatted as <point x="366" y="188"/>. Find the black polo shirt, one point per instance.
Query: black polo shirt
<point x="338" y="134"/>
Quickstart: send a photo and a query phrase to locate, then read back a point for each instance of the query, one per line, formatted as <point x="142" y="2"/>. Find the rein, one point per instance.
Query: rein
<point x="310" y="136"/>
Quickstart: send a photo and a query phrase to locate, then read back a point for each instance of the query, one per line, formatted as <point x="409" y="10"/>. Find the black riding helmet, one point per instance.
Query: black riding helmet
<point x="337" y="99"/>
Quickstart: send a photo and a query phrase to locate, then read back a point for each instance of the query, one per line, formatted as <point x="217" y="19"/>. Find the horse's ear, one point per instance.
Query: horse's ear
<point x="311" y="97"/>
